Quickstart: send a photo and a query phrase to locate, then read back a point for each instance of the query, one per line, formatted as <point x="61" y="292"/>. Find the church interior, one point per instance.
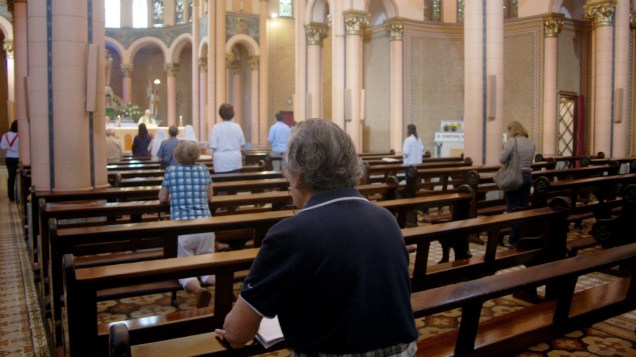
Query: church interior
<point x="459" y="70"/>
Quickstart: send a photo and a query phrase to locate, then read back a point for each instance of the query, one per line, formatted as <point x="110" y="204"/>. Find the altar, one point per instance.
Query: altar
<point x="126" y="134"/>
<point x="449" y="140"/>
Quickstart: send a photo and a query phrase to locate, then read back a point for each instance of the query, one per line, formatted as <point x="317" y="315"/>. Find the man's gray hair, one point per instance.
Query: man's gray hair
<point x="323" y="156"/>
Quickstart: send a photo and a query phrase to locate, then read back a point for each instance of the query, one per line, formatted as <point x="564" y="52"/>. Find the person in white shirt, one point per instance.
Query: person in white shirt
<point x="278" y="137"/>
<point x="227" y="140"/>
<point x="147" y="119"/>
<point x="9" y="142"/>
<point x="412" y="150"/>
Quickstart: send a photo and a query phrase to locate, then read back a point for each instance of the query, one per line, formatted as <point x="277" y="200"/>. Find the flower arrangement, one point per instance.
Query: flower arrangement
<point x="131" y="111"/>
<point x="453" y="127"/>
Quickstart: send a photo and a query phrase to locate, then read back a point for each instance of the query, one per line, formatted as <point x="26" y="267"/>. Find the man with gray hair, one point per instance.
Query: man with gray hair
<point x="336" y="274"/>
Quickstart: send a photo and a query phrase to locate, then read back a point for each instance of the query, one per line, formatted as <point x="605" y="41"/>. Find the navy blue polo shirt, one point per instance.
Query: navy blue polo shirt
<point x="336" y="274"/>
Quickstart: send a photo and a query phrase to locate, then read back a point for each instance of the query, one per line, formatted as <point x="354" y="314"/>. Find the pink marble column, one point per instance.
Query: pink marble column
<point x="632" y="22"/>
<point x="316" y="32"/>
<point x="473" y="81"/>
<point x="21" y="72"/>
<point x="263" y="102"/>
<point x="203" y="90"/>
<point x="8" y="49"/>
<point x="126" y="70"/>
<point x="396" y="115"/>
<point x="169" y="12"/>
<point x="235" y="75"/>
<point x="221" y="90"/>
<point x="254" y="98"/>
<point x="621" y="80"/>
<point x="100" y="174"/>
<point x="73" y="156"/>
<point x="495" y="67"/>
<point x="196" y="125"/>
<point x="601" y="14"/>
<point x="300" y="56"/>
<point x="355" y="22"/>
<point x="212" y="106"/>
<point x="552" y="25"/>
<point x="38" y="96"/>
<point x="171" y="85"/>
<point x="338" y="68"/>
<point x="126" y="13"/>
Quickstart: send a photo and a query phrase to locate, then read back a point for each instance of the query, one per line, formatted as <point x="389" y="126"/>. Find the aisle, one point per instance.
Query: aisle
<point x="21" y="329"/>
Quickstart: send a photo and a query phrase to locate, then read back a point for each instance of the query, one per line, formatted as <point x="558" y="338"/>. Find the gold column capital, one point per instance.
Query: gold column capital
<point x="229" y="59"/>
<point x="126" y="69"/>
<point x="600" y="12"/>
<point x="203" y="64"/>
<point x="395" y="28"/>
<point x="552" y="25"/>
<point x="316" y="32"/>
<point x="171" y="68"/>
<point x="235" y="67"/>
<point x="254" y="61"/>
<point x="8" y="48"/>
<point x="355" y="22"/>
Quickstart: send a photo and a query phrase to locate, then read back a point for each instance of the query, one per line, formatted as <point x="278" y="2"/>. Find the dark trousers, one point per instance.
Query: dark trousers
<point x="12" y="168"/>
<point x="518" y="198"/>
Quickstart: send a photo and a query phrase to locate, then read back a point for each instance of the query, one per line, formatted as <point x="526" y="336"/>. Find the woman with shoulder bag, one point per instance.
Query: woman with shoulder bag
<point x="524" y="148"/>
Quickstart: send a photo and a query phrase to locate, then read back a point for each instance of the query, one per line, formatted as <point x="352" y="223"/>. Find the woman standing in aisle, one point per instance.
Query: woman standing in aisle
<point x="227" y="140"/>
<point x="412" y="150"/>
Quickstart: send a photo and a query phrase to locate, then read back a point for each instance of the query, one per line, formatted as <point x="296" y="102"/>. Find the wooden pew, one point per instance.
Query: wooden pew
<point x="438" y="277"/>
<point x="373" y="173"/>
<point x="503" y="335"/>
<point x="225" y="204"/>
<point x="83" y="286"/>
<point x="65" y="241"/>
<point x="513" y="332"/>
<point x="606" y="190"/>
<point x="571" y="161"/>
<point x="102" y="238"/>
<point x="446" y="178"/>
<point x="618" y="230"/>
<point x="543" y="238"/>
<point x="482" y="183"/>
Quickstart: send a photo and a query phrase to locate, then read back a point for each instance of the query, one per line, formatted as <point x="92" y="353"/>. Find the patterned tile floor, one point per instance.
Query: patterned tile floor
<point x="22" y="332"/>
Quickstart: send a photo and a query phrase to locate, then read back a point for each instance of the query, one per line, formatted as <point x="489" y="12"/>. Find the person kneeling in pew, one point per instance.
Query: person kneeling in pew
<point x="336" y="273"/>
<point x="188" y="187"/>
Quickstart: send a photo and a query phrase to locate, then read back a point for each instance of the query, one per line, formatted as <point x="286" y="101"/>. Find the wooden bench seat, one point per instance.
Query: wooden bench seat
<point x="543" y="230"/>
<point x="83" y="285"/>
<point x="503" y="335"/>
<point x="513" y="332"/>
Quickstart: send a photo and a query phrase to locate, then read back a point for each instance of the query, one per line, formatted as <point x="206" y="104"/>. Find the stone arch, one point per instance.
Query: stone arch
<point x="203" y="48"/>
<point x="6" y="28"/>
<point x="177" y="46"/>
<point x="390" y="8"/>
<point x="118" y="47"/>
<point x="316" y="11"/>
<point x="245" y="40"/>
<point x="145" y="41"/>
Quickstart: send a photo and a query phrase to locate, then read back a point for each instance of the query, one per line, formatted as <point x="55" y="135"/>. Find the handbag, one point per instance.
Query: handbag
<point x="508" y="177"/>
